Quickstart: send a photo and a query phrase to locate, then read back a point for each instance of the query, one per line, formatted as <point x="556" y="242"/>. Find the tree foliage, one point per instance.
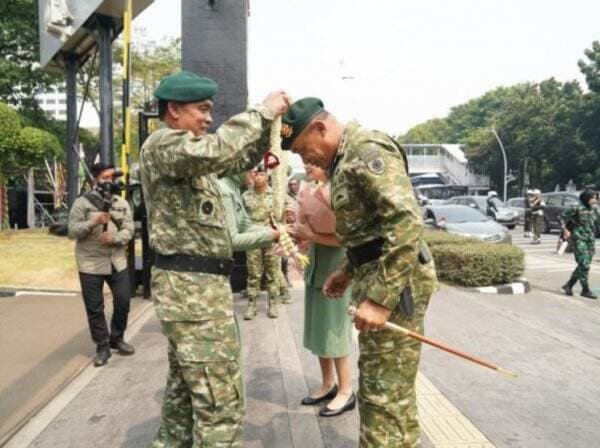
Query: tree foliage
<point x="21" y="77"/>
<point x="552" y="125"/>
<point x="23" y="147"/>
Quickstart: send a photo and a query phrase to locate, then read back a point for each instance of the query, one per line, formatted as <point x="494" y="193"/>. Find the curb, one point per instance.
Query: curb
<point x="520" y="287"/>
<point x="12" y="291"/>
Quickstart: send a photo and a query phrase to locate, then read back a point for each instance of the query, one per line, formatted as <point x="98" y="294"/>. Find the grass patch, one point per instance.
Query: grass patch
<point x="34" y="258"/>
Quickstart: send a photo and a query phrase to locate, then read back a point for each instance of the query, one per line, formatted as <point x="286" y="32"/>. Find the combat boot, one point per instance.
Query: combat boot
<point x="285" y="297"/>
<point x="251" y="310"/>
<point x="587" y="293"/>
<point x="272" y="311"/>
<point x="568" y="287"/>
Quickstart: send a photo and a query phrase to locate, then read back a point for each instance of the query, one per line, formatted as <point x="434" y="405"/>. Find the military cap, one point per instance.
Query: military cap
<point x="98" y="167"/>
<point x="298" y="116"/>
<point x="185" y="87"/>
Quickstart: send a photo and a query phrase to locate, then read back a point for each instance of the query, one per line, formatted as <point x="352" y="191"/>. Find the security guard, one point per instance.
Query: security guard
<point x="579" y="223"/>
<point x="203" y="401"/>
<point x="389" y="264"/>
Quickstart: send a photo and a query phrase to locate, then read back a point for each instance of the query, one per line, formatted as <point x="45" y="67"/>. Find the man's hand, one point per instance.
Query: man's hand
<point x="336" y="284"/>
<point x="106" y="238"/>
<point x="276" y="235"/>
<point x="371" y="316"/>
<point x="277" y="102"/>
<point x="100" y="218"/>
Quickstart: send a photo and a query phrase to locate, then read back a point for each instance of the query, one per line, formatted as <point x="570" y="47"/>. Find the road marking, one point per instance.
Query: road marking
<point x="41" y="293"/>
<point x="441" y="421"/>
<point x="34" y="427"/>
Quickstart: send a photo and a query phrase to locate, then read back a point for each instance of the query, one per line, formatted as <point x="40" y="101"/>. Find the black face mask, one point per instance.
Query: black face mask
<point x="585" y="197"/>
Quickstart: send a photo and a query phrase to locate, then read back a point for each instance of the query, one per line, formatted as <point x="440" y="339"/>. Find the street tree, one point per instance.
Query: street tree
<point x="21" y="77"/>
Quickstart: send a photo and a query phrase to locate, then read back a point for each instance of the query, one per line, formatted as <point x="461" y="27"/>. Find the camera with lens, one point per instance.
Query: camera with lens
<point x="114" y="187"/>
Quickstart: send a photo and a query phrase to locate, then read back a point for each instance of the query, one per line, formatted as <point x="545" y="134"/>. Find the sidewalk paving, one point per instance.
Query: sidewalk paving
<point x="45" y="344"/>
<point x="119" y="405"/>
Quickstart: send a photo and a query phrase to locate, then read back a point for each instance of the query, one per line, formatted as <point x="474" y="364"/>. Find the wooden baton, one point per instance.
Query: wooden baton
<point x="412" y="334"/>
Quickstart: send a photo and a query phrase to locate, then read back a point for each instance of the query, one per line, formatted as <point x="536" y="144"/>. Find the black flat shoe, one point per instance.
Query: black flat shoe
<point x="309" y="401"/>
<point x="350" y="404"/>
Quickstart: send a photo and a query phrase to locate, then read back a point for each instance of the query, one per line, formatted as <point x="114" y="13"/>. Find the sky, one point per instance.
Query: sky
<point x="392" y="64"/>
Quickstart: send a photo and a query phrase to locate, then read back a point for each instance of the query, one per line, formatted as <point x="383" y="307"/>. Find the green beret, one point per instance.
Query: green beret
<point x="185" y="87"/>
<point x="298" y="116"/>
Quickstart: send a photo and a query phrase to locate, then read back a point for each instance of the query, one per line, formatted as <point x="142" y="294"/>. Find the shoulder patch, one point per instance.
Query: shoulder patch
<point x="376" y="166"/>
<point x="373" y="158"/>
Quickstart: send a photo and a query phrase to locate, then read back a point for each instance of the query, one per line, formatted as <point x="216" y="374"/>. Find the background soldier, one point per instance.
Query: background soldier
<point x="579" y="223"/>
<point x="389" y="264"/>
<point x="203" y="401"/>
<point x="537" y="205"/>
<point x="102" y="238"/>
<point x="258" y="201"/>
<point x="245" y="235"/>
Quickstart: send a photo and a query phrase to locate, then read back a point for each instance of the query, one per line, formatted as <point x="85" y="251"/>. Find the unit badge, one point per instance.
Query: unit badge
<point x="286" y="130"/>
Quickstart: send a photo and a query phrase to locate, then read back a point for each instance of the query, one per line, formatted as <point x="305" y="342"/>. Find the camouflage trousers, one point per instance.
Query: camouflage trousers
<point x="257" y="262"/>
<point x="284" y="292"/>
<point x="387" y="400"/>
<point x="537" y="224"/>
<point x="584" y="254"/>
<point x="203" y="402"/>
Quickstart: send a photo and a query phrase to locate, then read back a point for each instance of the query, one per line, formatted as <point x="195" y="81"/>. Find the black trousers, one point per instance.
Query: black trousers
<point x="91" y="289"/>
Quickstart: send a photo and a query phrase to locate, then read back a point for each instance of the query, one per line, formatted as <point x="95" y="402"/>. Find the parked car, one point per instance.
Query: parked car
<point x="556" y="203"/>
<point x="466" y="221"/>
<point x="504" y="215"/>
<point x="517" y="205"/>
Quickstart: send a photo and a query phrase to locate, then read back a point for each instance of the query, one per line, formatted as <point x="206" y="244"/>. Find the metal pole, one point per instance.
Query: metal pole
<point x="105" y="34"/>
<point x="71" y="67"/>
<point x="504" y="157"/>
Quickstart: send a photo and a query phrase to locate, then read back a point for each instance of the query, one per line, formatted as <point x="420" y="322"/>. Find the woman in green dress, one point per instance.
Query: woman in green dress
<point x="327" y="326"/>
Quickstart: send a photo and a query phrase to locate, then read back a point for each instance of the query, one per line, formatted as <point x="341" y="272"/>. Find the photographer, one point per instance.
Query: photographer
<point x="101" y="222"/>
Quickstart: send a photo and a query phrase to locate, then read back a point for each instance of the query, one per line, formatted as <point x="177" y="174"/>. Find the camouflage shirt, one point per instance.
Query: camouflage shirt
<point x="373" y="198"/>
<point x="179" y="179"/>
<point x="583" y="220"/>
<point x="185" y="211"/>
<point x="258" y="205"/>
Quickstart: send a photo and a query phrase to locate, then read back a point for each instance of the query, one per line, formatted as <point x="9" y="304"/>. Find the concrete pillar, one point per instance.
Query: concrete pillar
<point x="214" y="43"/>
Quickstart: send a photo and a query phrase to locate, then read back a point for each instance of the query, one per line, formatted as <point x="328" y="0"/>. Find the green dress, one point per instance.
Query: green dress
<point x="327" y="326"/>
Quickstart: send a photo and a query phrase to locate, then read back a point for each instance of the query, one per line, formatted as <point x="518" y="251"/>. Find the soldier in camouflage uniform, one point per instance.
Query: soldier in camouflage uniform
<point x="579" y="223"/>
<point x="258" y="201"/>
<point x="203" y="401"/>
<point x="389" y="264"/>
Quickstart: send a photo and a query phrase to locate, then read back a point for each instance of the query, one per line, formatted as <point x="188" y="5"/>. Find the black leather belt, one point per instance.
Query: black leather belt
<point x="366" y="252"/>
<point x="194" y="263"/>
<point x="373" y="249"/>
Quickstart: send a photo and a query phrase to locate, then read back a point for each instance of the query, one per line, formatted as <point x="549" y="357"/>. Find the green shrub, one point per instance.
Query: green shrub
<point x="470" y="262"/>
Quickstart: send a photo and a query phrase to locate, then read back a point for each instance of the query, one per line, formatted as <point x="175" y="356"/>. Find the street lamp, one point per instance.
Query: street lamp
<point x="504" y="157"/>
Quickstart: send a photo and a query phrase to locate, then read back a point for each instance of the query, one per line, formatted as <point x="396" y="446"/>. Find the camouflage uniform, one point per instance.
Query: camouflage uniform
<point x="203" y="403"/>
<point x="583" y="221"/>
<point x="372" y="198"/>
<point x="259" y="207"/>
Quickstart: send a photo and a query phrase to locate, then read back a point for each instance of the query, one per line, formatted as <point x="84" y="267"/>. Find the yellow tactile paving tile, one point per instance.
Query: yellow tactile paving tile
<point x="443" y="423"/>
